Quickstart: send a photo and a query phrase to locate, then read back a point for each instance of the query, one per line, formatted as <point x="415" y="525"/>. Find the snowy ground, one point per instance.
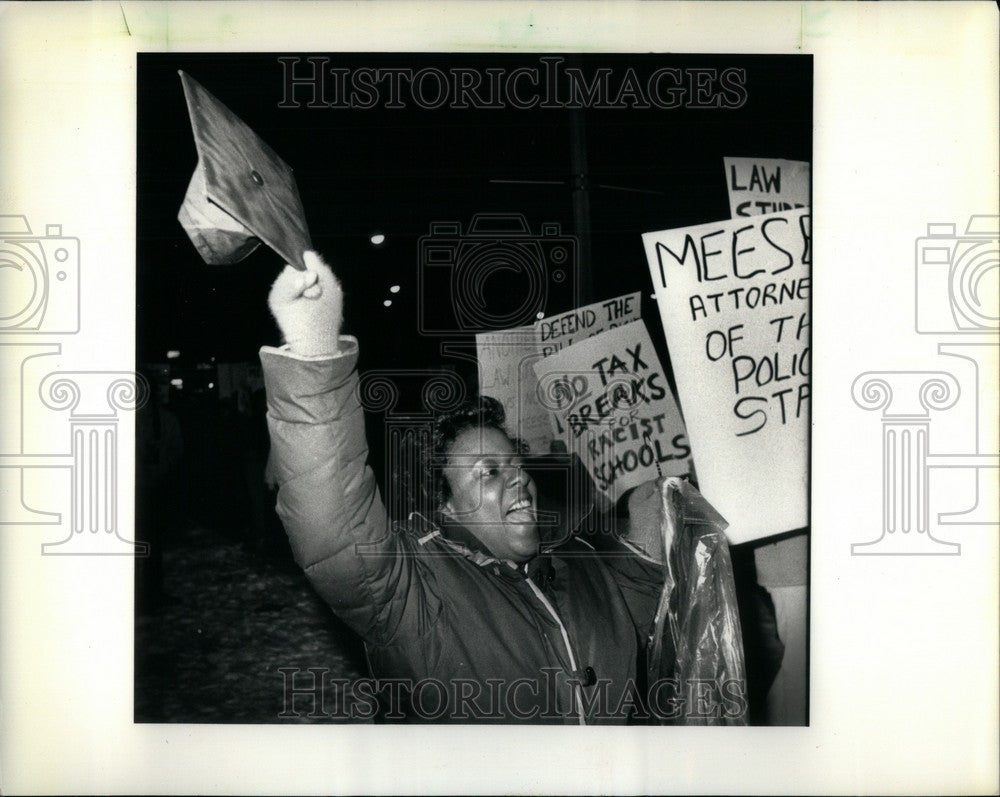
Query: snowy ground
<point x="230" y="618"/>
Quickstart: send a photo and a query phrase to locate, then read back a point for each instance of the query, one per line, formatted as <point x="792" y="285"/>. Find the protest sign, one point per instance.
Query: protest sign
<point x="558" y="331"/>
<point x="734" y="301"/>
<point x="505" y="373"/>
<point x="766" y="185"/>
<point x="612" y="396"/>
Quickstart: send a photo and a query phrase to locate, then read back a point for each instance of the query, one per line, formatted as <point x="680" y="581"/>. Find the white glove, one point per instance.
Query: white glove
<point x="308" y="306"/>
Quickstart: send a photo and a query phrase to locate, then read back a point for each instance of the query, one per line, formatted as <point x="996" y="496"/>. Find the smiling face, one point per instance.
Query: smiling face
<point x="491" y="494"/>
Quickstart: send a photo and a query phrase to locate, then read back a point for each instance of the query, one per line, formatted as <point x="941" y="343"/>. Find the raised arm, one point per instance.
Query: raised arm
<point x="328" y="500"/>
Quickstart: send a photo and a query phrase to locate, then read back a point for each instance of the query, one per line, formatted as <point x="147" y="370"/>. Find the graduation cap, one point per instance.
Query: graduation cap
<point x="242" y="192"/>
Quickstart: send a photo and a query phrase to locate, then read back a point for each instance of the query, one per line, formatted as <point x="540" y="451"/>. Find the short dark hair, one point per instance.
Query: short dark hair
<point x="419" y="483"/>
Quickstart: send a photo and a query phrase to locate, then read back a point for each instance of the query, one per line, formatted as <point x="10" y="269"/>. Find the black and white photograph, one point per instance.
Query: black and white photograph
<point x="428" y="396"/>
<point x="421" y="449"/>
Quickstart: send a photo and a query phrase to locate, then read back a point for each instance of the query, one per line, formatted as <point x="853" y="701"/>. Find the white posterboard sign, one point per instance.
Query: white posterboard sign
<point x="505" y="373"/>
<point x="558" y="331"/>
<point x="612" y="396"/>
<point x="734" y="301"/>
<point x="766" y="185"/>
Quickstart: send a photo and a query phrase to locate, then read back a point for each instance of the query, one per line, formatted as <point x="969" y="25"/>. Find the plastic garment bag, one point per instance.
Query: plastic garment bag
<point x="694" y="653"/>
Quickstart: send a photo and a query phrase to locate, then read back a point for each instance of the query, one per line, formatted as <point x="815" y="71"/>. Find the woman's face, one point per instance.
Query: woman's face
<point x="491" y="495"/>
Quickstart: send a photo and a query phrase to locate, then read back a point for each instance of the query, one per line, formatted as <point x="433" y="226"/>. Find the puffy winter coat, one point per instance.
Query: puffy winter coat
<point x="472" y="639"/>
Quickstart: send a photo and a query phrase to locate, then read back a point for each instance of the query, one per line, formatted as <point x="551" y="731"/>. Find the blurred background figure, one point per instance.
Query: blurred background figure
<point x="265" y="533"/>
<point x="159" y="448"/>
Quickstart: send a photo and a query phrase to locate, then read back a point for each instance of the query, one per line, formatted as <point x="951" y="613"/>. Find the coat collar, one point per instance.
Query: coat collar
<point x="463" y="542"/>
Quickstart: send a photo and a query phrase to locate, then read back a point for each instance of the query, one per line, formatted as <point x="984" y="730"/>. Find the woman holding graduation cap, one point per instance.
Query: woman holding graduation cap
<point x="467" y="611"/>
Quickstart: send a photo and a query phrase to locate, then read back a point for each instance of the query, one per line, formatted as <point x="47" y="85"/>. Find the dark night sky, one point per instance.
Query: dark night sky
<point x="397" y="171"/>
